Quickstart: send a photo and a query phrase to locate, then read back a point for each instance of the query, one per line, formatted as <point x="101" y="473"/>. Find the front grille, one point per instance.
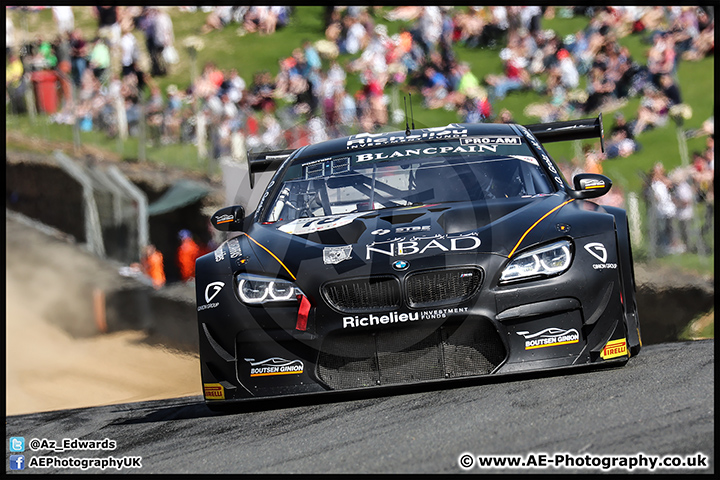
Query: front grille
<point x="354" y="360"/>
<point x="439" y="287"/>
<point x="423" y="289"/>
<point x="363" y="294"/>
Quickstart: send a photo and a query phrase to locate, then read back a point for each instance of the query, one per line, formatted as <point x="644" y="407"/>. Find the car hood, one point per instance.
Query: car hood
<point x="364" y="243"/>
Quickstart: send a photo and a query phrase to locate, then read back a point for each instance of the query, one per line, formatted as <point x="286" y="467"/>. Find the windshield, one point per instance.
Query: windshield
<point x="425" y="173"/>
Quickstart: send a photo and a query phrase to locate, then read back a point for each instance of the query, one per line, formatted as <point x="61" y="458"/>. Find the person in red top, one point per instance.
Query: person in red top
<point x="187" y="252"/>
<point x="516" y="76"/>
<point x="152" y="266"/>
<point x="214" y="75"/>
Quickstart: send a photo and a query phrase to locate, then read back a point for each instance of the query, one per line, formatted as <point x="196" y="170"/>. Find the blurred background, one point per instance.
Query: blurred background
<point x="127" y="127"/>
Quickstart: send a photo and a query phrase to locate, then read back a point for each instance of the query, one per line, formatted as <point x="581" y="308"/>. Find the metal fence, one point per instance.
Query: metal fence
<point x="684" y="229"/>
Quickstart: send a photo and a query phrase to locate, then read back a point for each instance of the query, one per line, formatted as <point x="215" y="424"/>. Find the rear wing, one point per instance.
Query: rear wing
<point x="265" y="162"/>
<point x="569" y="130"/>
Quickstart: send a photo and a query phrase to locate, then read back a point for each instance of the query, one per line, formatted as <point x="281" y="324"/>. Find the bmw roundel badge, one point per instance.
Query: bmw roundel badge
<point x="401" y="265"/>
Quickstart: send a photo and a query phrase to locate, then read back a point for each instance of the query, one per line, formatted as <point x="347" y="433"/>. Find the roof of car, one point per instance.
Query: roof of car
<point x="340" y="145"/>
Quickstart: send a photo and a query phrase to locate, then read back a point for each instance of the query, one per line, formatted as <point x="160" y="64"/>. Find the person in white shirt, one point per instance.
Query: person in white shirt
<point x="684" y="197"/>
<point x="355" y="38"/>
<point x="569" y="76"/>
<point x="129" y="52"/>
<point x="430" y="27"/>
<point x="64" y="19"/>
<point x="165" y="39"/>
<point x="9" y="36"/>
<point x="664" y="209"/>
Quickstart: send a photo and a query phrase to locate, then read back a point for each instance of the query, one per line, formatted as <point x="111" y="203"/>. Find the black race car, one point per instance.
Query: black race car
<point x="415" y="256"/>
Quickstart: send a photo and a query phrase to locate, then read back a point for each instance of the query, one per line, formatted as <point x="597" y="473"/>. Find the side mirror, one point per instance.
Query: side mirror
<point x="229" y="219"/>
<point x="590" y="185"/>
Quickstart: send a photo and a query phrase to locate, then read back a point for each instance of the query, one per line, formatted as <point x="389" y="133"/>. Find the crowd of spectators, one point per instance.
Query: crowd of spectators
<point x="308" y="99"/>
<point x="682" y="204"/>
<point x="263" y="19"/>
<point x="421" y="57"/>
<point x="85" y="63"/>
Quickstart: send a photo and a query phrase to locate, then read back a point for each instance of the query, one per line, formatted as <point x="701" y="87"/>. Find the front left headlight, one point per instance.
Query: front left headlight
<point x="255" y="289"/>
<point x="545" y="261"/>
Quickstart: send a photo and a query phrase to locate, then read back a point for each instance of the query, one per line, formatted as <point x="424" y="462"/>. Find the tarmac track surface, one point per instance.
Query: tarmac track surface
<point x="661" y="403"/>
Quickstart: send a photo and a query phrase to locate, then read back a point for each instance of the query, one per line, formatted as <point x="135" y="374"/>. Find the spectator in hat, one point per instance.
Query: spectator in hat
<point x="47" y="53"/>
<point x="187" y="253"/>
<point x="569" y="76"/>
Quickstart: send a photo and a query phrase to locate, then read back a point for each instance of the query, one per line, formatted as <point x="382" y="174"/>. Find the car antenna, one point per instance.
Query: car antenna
<point x="412" y="117"/>
<point x="407" y="125"/>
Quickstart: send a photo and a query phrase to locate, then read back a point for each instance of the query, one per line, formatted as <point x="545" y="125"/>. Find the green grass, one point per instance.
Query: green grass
<point x="700" y="328"/>
<point x="689" y="262"/>
<point x="61" y="136"/>
<point x="249" y="53"/>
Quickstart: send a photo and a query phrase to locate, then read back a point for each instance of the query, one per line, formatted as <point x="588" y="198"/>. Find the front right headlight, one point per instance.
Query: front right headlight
<point x="255" y="289"/>
<point x="544" y="261"/>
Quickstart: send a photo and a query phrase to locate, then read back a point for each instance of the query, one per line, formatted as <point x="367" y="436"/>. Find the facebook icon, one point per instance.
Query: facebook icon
<point x="17" y="462"/>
